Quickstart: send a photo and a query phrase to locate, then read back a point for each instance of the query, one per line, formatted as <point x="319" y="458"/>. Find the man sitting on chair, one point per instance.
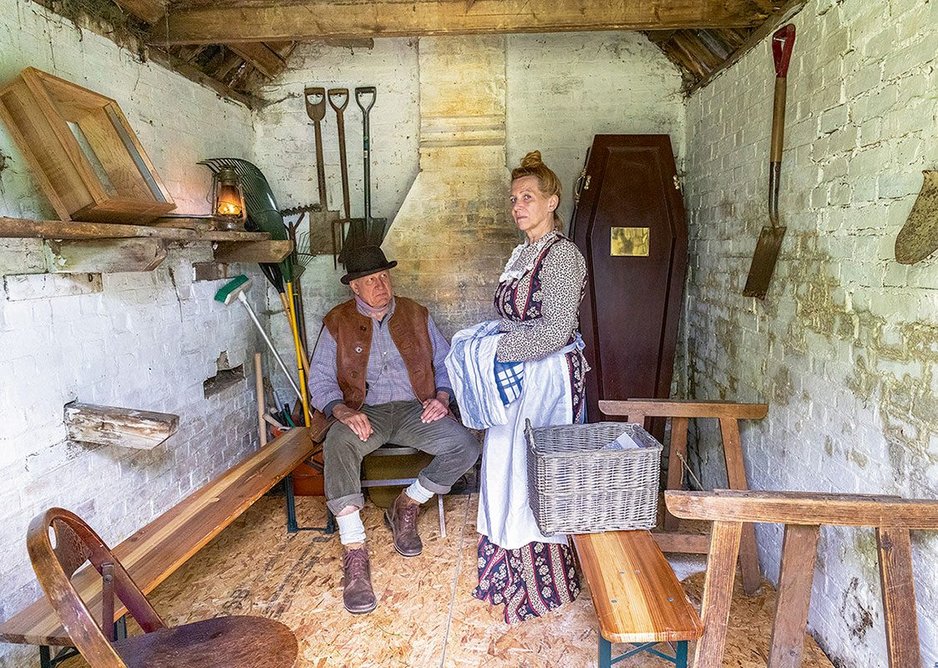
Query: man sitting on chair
<point x="378" y="377"/>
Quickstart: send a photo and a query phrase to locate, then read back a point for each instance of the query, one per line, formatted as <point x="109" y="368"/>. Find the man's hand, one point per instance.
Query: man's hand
<point x="434" y="409"/>
<point x="355" y="420"/>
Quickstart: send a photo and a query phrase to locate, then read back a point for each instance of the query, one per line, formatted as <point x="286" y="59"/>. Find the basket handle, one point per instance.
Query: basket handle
<point x="528" y="432"/>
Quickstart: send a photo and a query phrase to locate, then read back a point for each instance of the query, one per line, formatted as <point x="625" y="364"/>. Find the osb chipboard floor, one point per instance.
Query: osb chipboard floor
<point x="426" y="615"/>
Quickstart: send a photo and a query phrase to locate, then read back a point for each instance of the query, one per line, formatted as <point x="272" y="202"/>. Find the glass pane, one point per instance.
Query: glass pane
<point x="134" y="154"/>
<point x="93" y="159"/>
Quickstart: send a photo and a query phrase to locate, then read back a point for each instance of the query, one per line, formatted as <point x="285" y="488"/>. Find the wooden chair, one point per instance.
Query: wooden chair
<point x="392" y="450"/>
<point x="680" y="412"/>
<point x="803" y="513"/>
<point x="224" y="641"/>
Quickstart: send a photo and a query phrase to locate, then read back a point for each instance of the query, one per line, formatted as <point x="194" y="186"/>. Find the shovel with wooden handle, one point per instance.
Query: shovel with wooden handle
<point x="320" y="222"/>
<point x="770" y="240"/>
<point x="338" y="100"/>
<point x="341" y="94"/>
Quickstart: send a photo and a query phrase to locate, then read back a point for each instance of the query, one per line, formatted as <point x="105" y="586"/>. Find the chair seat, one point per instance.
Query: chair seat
<point x="232" y="642"/>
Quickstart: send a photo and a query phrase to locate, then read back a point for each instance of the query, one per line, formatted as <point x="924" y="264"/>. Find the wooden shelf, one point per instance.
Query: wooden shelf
<point x="81" y="247"/>
<point x="188" y="229"/>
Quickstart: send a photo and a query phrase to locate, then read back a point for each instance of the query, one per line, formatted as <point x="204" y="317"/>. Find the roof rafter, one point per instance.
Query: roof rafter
<point x="340" y="19"/>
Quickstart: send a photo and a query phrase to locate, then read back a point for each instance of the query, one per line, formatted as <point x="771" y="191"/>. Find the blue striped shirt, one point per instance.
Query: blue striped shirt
<point x="387" y="379"/>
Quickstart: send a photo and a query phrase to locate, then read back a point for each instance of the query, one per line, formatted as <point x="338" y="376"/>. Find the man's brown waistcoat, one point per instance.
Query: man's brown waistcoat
<point x="352" y="333"/>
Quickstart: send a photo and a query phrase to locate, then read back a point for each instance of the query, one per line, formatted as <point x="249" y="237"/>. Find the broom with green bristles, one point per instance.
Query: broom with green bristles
<point x="234" y="290"/>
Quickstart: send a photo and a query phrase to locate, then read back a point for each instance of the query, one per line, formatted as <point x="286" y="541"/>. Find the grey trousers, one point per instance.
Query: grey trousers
<point x="454" y="451"/>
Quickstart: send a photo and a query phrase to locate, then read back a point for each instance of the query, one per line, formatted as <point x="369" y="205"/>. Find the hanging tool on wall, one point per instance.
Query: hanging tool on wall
<point x="374" y="228"/>
<point x="320" y="218"/>
<point x="338" y="100"/>
<point x="918" y="238"/>
<point x="770" y="240"/>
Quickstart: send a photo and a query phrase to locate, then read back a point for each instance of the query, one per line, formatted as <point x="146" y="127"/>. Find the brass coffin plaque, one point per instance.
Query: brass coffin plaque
<point x="629" y="241"/>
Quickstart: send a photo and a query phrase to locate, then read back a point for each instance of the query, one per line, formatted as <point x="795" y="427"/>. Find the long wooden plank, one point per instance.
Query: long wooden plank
<point x="799" y="552"/>
<point x="683" y="408"/>
<point x="736" y="476"/>
<point x="898" y="586"/>
<point x="154" y="552"/>
<point x="718" y="594"/>
<point x="635" y="592"/>
<point x="22" y="228"/>
<point x="804" y="508"/>
<point x="331" y="19"/>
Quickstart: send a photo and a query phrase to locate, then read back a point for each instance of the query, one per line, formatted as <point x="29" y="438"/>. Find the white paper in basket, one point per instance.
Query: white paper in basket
<point x="624" y="442"/>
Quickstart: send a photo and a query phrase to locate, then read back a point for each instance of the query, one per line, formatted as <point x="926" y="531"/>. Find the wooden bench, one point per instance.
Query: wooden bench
<point x="154" y="552"/>
<point x="803" y="513"/>
<point x="637" y="597"/>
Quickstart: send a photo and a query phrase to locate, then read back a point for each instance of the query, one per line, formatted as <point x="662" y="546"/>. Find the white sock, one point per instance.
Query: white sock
<point x="418" y="492"/>
<point x="351" y="529"/>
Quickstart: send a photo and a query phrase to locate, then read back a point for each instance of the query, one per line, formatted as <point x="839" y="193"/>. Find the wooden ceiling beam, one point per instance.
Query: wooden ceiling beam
<point x="150" y="11"/>
<point x="301" y="20"/>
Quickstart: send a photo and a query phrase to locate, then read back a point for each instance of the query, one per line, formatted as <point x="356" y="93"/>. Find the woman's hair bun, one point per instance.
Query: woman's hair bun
<point x="532" y="159"/>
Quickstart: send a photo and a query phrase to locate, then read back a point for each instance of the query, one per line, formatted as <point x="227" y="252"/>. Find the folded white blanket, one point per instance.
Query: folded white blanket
<point x="470" y="363"/>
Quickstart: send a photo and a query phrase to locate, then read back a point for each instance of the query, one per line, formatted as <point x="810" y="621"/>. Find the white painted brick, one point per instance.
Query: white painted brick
<point x="837" y="289"/>
<point x="121" y="346"/>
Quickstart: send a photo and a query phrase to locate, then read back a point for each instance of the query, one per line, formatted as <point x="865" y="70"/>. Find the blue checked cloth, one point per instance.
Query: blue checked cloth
<point x="509" y="376"/>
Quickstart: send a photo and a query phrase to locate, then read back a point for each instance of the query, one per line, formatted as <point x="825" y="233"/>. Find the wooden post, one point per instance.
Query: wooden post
<point x="259" y="386"/>
<point x="736" y="477"/>
<point x="895" y="574"/>
<point x="799" y="553"/>
<point x="718" y="594"/>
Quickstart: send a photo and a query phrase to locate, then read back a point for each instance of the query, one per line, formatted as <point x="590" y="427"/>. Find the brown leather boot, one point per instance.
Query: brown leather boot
<point x="358" y="595"/>
<point x="401" y="518"/>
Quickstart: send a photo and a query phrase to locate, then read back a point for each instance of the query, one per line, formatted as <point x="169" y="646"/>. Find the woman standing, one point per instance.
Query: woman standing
<point x="538" y="299"/>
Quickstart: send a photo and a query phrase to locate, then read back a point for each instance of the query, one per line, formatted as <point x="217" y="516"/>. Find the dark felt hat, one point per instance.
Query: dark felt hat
<point x="365" y="260"/>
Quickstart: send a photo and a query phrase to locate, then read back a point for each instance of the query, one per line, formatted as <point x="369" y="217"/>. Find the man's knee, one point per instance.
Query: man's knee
<point x="462" y="442"/>
<point x="342" y="445"/>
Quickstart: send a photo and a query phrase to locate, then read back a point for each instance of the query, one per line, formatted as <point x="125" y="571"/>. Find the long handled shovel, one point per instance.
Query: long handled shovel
<point x="770" y="240"/>
<point x="374" y="227"/>
<point x="320" y="222"/>
<point x="338" y="100"/>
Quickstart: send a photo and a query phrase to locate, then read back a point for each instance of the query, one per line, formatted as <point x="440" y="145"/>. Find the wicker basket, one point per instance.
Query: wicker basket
<point x="576" y="485"/>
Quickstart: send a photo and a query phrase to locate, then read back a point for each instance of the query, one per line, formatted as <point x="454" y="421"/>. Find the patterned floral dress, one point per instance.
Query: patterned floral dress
<point x="538" y="299"/>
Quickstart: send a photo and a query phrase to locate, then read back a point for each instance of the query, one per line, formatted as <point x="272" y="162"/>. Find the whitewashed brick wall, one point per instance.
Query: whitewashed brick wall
<point x="146" y="340"/>
<point x="843" y="347"/>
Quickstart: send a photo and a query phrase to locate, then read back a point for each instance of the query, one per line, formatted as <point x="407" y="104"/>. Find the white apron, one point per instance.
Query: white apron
<point x="546" y="399"/>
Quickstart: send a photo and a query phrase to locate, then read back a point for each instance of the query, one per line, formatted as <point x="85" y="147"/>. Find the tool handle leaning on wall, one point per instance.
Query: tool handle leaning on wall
<point x="783" y="41"/>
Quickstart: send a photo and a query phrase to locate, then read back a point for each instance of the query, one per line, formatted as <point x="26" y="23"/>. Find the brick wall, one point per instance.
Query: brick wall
<point x="139" y="340"/>
<point x="843" y="347"/>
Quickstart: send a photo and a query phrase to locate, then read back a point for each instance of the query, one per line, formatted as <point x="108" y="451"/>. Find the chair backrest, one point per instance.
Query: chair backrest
<point x="55" y="564"/>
